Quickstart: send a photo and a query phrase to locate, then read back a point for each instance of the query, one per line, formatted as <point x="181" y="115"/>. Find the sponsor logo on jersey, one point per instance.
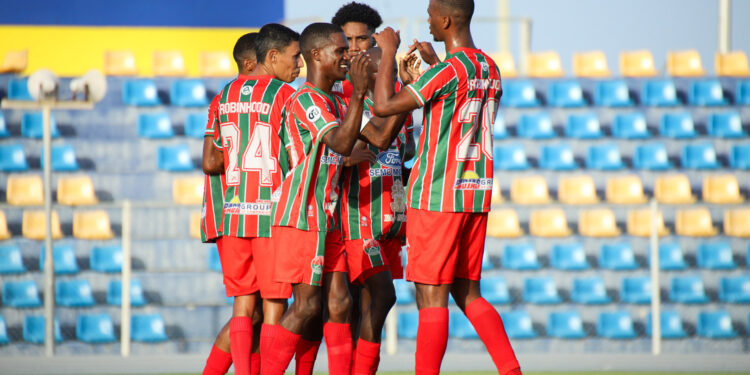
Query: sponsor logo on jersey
<point x="317" y="270"/>
<point x="382" y="172"/>
<point x="313" y="113"/>
<point x="363" y="221"/>
<point x="470" y="181"/>
<point x="248" y="208"/>
<point x="244" y="107"/>
<point x="331" y="158"/>
<point x="389" y="159"/>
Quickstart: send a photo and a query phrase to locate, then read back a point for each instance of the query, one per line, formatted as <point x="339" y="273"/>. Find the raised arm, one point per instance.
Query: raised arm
<point x="341" y="139"/>
<point x="380" y="132"/>
<point x="387" y="102"/>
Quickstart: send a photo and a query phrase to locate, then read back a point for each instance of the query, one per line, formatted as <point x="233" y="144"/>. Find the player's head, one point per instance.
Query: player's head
<point x="278" y="51"/>
<point x="359" y="21"/>
<point x="244" y="53"/>
<point x="324" y="48"/>
<point x="447" y="16"/>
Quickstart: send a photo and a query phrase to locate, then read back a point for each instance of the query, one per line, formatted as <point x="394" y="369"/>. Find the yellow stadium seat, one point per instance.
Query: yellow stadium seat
<point x="625" y="190"/>
<point x="591" y="64"/>
<point x="169" y="63"/>
<point x="544" y="65"/>
<point x="577" y="190"/>
<point x="550" y="222"/>
<point x="188" y="190"/>
<point x="92" y="225"/>
<point x="673" y="189"/>
<point x="529" y="190"/>
<point x="732" y="64"/>
<point x="694" y="222"/>
<point x="120" y="63"/>
<point x="216" y="64"/>
<point x="15" y="62"/>
<point x="497" y="195"/>
<point x="76" y="191"/>
<point x="4" y="231"/>
<point x="504" y="223"/>
<point x="639" y="223"/>
<point x="598" y="222"/>
<point x="737" y="222"/>
<point x="685" y="63"/>
<point x="506" y="64"/>
<point x="33" y="225"/>
<point x="25" y="190"/>
<point x="195" y="224"/>
<point x="637" y="64"/>
<point x="722" y="189"/>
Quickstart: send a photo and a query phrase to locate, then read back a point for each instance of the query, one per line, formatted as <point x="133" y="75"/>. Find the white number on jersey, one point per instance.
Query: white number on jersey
<point x="258" y="155"/>
<point x="469" y="113"/>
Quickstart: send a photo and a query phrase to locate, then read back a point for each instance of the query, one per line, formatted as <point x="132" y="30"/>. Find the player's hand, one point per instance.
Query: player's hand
<point x="360" y="153"/>
<point x="426" y="51"/>
<point x="388" y="39"/>
<point x="358" y="72"/>
<point x="408" y="68"/>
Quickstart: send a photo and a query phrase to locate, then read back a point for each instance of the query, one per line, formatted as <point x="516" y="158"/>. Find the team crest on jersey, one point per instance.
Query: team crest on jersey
<point x="246" y="90"/>
<point x="470" y="181"/>
<point x="317" y="270"/>
<point x="363" y="221"/>
<point x="313" y="113"/>
<point x="485" y="66"/>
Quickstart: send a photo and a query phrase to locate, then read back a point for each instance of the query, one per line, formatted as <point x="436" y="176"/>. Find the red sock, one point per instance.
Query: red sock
<point x="218" y="362"/>
<point x="241" y="341"/>
<point x="305" y="356"/>
<point x="267" y="334"/>
<point x="367" y="354"/>
<point x="255" y="364"/>
<point x="432" y="338"/>
<point x="279" y="353"/>
<point x="375" y="365"/>
<point x="489" y="326"/>
<point x="339" y="343"/>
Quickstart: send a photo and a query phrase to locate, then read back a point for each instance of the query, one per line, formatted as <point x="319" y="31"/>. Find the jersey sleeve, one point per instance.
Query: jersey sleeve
<point x="312" y="112"/>
<point x="438" y="80"/>
<point x="212" y="125"/>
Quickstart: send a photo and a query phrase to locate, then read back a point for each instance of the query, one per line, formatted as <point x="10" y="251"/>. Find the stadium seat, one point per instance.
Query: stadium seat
<point x="737" y="222"/>
<point x="114" y="293"/>
<point x="4" y="339"/>
<point x="155" y="125"/>
<point x="671" y="325"/>
<point x="731" y="64"/>
<point x="639" y="223"/>
<point x="578" y="189"/>
<point x="33" y="329"/>
<point x="568" y="257"/>
<point x="597" y="222"/>
<point x="742" y="95"/>
<point x="404" y="293"/>
<point x="195" y="224"/>
<point x="725" y="125"/>
<point x="565" y="325"/>
<point x="21" y="294"/>
<point x="216" y="64"/>
<point x="615" y="325"/>
<point x="625" y="189"/>
<point x="734" y="289"/>
<point x="175" y="158"/>
<point x="4" y="133"/>
<point x="13" y="158"/>
<point x="494" y="290"/>
<point x="168" y="64"/>
<point x="188" y="190"/>
<point x="557" y="157"/>
<point x="18" y="89"/>
<point x="659" y="93"/>
<point x="673" y="189"/>
<point x="76" y="191"/>
<point x="460" y="327"/>
<point x="540" y="290"/>
<point x="677" y="125"/>
<point x="612" y="93"/>
<point x="535" y="126"/>
<point x="11" y="260"/>
<point x="92" y="225"/>
<point x="670" y="257"/>
<point x="549" y="223"/>
<point x="651" y="156"/>
<point x="503" y="223"/>
<point x="188" y="93"/>
<point x="699" y="156"/>
<point x="605" y="157"/>
<point x="95" y="328"/>
<point x="565" y="94"/>
<point x="518" y="324"/>
<point x="716" y="256"/>
<point x="637" y="64"/>
<point x="715" y="325"/>
<point x="33" y="225"/>
<point x="636" y="289"/>
<point x="519" y="94"/>
<point x="140" y="92"/>
<point x="739" y="157"/>
<point x="617" y="256"/>
<point x="64" y="258"/>
<point x="685" y="63"/>
<point x="583" y="126"/>
<point x="17" y="61"/>
<point x="529" y="190"/>
<point x="707" y="93"/>
<point x="195" y="124"/>
<point x="74" y="293"/>
<point x="545" y="64"/>
<point x="4" y="231"/>
<point x="630" y="126"/>
<point x="106" y="258"/>
<point x="687" y="289"/>
<point x="512" y="157"/>
<point x="722" y="189"/>
<point x="32" y="125"/>
<point x="119" y="63"/>
<point x="497" y="196"/>
<point x="520" y="257"/>
<point x="407" y="324"/>
<point x="148" y="328"/>
<point x="589" y="290"/>
<point x="694" y="222"/>
<point x="214" y="262"/>
<point x="592" y="64"/>
<point x="25" y="190"/>
<point x="506" y="64"/>
<point x="63" y="158"/>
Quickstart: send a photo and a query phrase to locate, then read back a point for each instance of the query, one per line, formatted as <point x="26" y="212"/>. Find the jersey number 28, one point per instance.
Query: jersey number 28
<point x="469" y="114"/>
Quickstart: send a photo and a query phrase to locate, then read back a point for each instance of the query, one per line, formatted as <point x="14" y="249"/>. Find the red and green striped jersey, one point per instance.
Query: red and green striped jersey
<point x="308" y="196"/>
<point x="453" y="168"/>
<point x="213" y="185"/>
<point x="251" y="114"/>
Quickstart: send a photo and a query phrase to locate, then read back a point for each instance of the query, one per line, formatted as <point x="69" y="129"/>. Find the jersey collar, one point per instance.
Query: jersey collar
<point x="310" y="85"/>
<point x="456" y="50"/>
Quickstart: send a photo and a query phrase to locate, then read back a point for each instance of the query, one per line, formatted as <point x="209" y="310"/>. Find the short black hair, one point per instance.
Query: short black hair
<point x="463" y="9"/>
<point x="316" y="35"/>
<point x="273" y="36"/>
<point x="358" y="12"/>
<point x="245" y="48"/>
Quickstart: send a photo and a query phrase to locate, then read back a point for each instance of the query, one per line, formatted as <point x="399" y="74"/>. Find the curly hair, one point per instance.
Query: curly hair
<point x="358" y="12"/>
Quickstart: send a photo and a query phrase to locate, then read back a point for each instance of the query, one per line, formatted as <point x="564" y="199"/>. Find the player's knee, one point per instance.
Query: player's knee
<point x="384" y="297"/>
<point x="308" y="308"/>
<point x="339" y="305"/>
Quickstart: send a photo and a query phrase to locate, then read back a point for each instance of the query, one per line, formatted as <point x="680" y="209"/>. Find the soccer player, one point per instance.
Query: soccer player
<point x="359" y="21"/>
<point x="319" y="129"/>
<point x="449" y="190"/>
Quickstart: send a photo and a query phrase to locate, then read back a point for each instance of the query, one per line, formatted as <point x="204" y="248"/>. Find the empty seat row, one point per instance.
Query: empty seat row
<point x="159" y="126"/>
<point x="13" y="158"/>
<point x="28" y="190"/>
<point x="101" y="259"/>
<point x="69" y="293"/>
<point x="89" y="225"/>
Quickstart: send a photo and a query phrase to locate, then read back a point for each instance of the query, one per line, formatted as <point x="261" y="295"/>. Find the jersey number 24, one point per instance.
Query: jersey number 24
<point x="257" y="156"/>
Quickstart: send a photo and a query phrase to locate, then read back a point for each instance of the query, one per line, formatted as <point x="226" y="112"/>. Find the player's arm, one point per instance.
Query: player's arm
<point x="387" y="101"/>
<point x="341" y="139"/>
<point x="360" y="153"/>
<point x="213" y="158"/>
<point x="380" y="132"/>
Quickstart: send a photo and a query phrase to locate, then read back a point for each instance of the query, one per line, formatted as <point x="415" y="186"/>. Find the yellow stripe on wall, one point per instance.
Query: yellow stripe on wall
<point x="72" y="51"/>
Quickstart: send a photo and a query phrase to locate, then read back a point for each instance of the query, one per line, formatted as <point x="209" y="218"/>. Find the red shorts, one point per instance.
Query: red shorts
<point x="236" y="256"/>
<point x="335" y="253"/>
<point x="365" y="257"/>
<point x="392" y="249"/>
<point x="300" y="255"/>
<point x="456" y="252"/>
<point x="264" y="261"/>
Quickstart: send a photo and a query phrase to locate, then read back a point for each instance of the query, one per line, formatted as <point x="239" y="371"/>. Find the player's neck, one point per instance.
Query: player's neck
<point x="459" y="39"/>
<point x="320" y="81"/>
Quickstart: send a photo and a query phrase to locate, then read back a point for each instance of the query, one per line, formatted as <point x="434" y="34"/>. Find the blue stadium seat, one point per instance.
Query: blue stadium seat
<point x="612" y="94"/>
<point x="188" y="93"/>
<point x="707" y="93"/>
<point x="725" y="125"/>
<point x="615" y="325"/>
<point x="734" y="289"/>
<point x="535" y="126"/>
<point x="33" y="329"/>
<point x="670" y="257"/>
<point x="214" y="262"/>
<point x="739" y="156"/>
<point x="32" y="125"/>
<point x="541" y="290"/>
<point x="155" y="125"/>
<point x="4" y="133"/>
<point x="21" y="294"/>
<point x="617" y="256"/>
<point x="519" y="94"/>
<point x="716" y="256"/>
<point x="569" y="257"/>
<point x="140" y="92"/>
<point x="659" y="93"/>
<point x="677" y="125"/>
<point x="486" y="262"/>
<point x="742" y="96"/>
<point x="148" y="328"/>
<point x="494" y="290"/>
<point x="651" y="156"/>
<point x="4" y="339"/>
<point x="95" y="328"/>
<point x="13" y="158"/>
<point x="671" y="325"/>
<point x="583" y="126"/>
<point x="64" y="257"/>
<point x="195" y="124"/>
<point x="407" y="324"/>
<point x="605" y="157"/>
<point x="699" y="156"/>
<point x="565" y="325"/>
<point x="589" y="290"/>
<point x="114" y="293"/>
<point x="636" y="289"/>
<point x="460" y="327"/>
<point x="566" y="94"/>
<point x="512" y="157"/>
<point x="74" y="293"/>
<point x="687" y="289"/>
<point x="498" y="128"/>
<point x="175" y="158"/>
<point x="18" y="89"/>
<point x="557" y="157"/>
<point x="518" y="324"/>
<point x="715" y="325"/>
<point x="63" y="158"/>
<point x="11" y="260"/>
<point x="520" y="257"/>
<point x="404" y="293"/>
<point x="106" y="258"/>
<point x="630" y="126"/>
